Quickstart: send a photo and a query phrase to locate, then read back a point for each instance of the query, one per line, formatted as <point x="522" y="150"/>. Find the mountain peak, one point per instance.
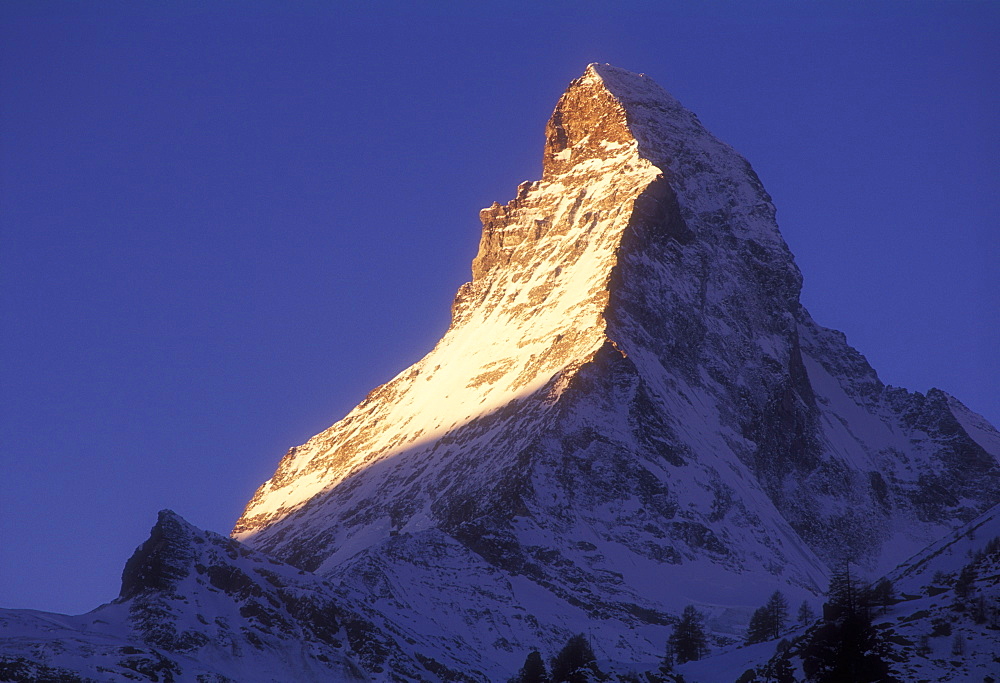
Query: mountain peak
<point x="589" y="123"/>
<point x="638" y="208"/>
<point x="602" y="115"/>
<point x="629" y="390"/>
<point x="631" y="88"/>
<point x="162" y="560"/>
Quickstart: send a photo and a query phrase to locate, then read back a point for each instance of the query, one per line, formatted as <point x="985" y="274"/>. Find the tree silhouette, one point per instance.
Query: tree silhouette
<point x="958" y="645"/>
<point x="806" y="613"/>
<point x="882" y="594"/>
<point x="847" y="647"/>
<point x="966" y="578"/>
<point x="777" y="613"/>
<point x="533" y="670"/>
<point x="768" y="621"/>
<point x="757" y="631"/>
<point x="688" y="641"/>
<point x="843" y="596"/>
<point x="667" y="661"/>
<point x="576" y="662"/>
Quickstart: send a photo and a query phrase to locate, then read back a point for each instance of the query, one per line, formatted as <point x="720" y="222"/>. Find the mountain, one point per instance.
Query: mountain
<point x="194" y="606"/>
<point x="197" y="606"/>
<point x="631" y="411"/>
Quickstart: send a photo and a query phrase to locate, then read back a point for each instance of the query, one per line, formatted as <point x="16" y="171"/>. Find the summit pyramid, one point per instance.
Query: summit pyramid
<point x="630" y="412"/>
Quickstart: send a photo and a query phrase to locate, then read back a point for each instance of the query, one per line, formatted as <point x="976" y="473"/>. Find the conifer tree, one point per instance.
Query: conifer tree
<point x="777" y="613"/>
<point x="688" y="640"/>
<point x="757" y="631"/>
<point x="843" y="597"/>
<point x="847" y="647"/>
<point x="533" y="670"/>
<point x="667" y="661"/>
<point x="980" y="610"/>
<point x="806" y="614"/>
<point x="883" y="594"/>
<point x="768" y="621"/>
<point x="966" y="577"/>
<point x="576" y="662"/>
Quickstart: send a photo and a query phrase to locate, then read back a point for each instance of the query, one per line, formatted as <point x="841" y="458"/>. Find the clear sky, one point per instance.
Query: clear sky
<point x="223" y="223"/>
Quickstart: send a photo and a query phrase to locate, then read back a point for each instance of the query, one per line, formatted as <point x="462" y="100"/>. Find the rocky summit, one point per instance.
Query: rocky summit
<point x="630" y="413"/>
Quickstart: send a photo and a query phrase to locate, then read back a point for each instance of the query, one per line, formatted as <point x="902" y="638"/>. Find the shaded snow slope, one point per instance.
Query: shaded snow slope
<point x="630" y="412"/>
<point x="196" y="606"/>
<point x="944" y="630"/>
<point x="943" y="623"/>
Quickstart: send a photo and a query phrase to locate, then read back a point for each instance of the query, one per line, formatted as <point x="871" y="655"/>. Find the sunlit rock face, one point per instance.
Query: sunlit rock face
<point x="630" y="412"/>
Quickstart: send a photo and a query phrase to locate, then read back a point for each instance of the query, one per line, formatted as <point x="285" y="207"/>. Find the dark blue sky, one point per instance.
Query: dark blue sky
<point x="223" y="223"/>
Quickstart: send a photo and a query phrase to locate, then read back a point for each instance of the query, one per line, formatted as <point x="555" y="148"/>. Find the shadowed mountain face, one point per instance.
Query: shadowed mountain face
<point x="630" y="412"/>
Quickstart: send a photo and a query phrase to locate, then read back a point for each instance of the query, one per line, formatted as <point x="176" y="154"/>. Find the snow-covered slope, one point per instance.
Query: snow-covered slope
<point x="947" y="626"/>
<point x="196" y="606"/>
<point x="941" y="624"/>
<point x="630" y="412"/>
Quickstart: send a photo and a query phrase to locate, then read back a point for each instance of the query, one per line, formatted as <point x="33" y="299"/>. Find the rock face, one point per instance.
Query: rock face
<point x="630" y="412"/>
